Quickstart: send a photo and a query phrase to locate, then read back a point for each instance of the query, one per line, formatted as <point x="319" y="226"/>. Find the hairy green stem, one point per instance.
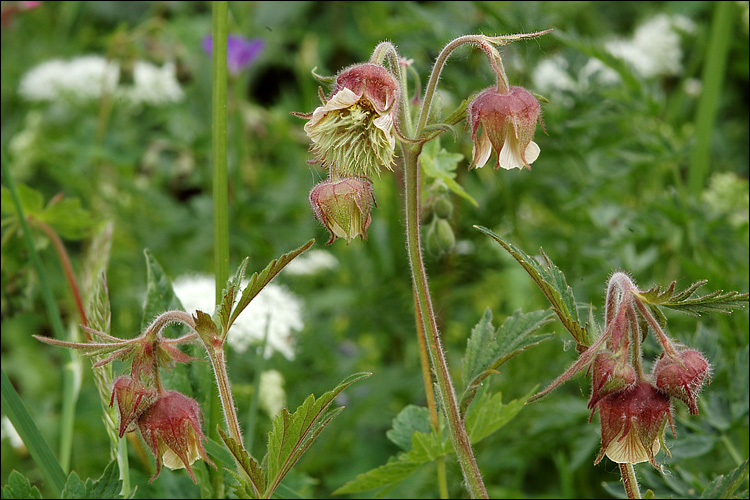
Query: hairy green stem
<point x="456" y="424"/>
<point x="629" y="481"/>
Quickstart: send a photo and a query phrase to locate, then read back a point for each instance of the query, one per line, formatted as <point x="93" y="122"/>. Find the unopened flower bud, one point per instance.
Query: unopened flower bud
<point x="343" y="207"/>
<point x="633" y="422"/>
<point x="682" y="381"/>
<point x="611" y="373"/>
<point x="353" y="131"/>
<point x="440" y="237"/>
<point x="508" y="124"/>
<point x="443" y="207"/>
<point x="171" y="427"/>
<point x="133" y="399"/>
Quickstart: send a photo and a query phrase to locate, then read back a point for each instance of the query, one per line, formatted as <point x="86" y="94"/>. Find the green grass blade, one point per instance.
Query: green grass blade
<point x="40" y="451"/>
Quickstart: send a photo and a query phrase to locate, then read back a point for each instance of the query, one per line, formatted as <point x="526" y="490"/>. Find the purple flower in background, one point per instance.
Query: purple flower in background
<point x="241" y="52"/>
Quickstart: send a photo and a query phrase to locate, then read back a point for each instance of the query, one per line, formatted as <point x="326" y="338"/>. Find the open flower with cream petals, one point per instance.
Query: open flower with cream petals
<point x="354" y="131"/>
<point x="508" y="123"/>
<point x="171" y="427"/>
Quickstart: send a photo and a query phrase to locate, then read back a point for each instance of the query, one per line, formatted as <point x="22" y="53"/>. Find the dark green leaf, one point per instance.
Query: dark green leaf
<point x="159" y="294"/>
<point x="685" y="301"/>
<point x="258" y="281"/>
<point x="292" y="434"/>
<point x="19" y="487"/>
<point x="107" y="486"/>
<point x="551" y="281"/>
<point x="409" y="420"/>
<point x="489" y="413"/>
<point x="725" y="486"/>
<point x="487" y="350"/>
<point x="248" y="464"/>
<point x="396" y="470"/>
<point x="229" y="295"/>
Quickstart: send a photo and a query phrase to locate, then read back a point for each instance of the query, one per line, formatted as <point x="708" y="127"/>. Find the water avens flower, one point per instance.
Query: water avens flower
<point x="633" y="424"/>
<point x="343" y="207"/>
<point x="133" y="399"/>
<point x="241" y="52"/>
<point x="682" y="378"/>
<point x="171" y="428"/>
<point x="508" y="123"/>
<point x="353" y="131"/>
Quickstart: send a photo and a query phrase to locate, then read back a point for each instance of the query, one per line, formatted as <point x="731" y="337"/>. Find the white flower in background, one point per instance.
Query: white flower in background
<point x="312" y="262"/>
<point x="154" y="85"/>
<point x="275" y="309"/>
<point x="81" y="79"/>
<point x="655" y="47"/>
<point x="86" y="78"/>
<point x="7" y="431"/>
<point x="551" y="75"/>
<point x="271" y="396"/>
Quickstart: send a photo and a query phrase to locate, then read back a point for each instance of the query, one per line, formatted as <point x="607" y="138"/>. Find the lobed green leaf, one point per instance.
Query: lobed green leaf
<point x="725" y="486"/>
<point x="551" y="281"/>
<point x="19" y="487"/>
<point x="441" y="165"/>
<point x="687" y="302"/>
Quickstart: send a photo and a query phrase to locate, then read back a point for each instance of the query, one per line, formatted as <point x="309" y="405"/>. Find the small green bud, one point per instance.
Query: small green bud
<point x="443" y="207"/>
<point x="440" y="237"/>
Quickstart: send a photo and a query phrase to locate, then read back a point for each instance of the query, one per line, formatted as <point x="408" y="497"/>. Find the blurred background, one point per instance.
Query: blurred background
<point x="643" y="168"/>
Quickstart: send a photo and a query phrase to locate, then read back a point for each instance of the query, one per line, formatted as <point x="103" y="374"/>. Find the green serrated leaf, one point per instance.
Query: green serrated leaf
<point x="229" y="295"/>
<point x="551" y="281"/>
<point x="107" y="486"/>
<point x="74" y="487"/>
<point x="441" y="165"/>
<point x="685" y="301"/>
<point x="292" y="434"/>
<point x="68" y="218"/>
<point x="258" y="281"/>
<point x="254" y="473"/>
<point x="32" y="201"/>
<point x="409" y="420"/>
<point x="725" y="486"/>
<point x="487" y="350"/>
<point x="160" y="296"/>
<point x="19" y="487"/>
<point x="488" y="414"/>
<point x="396" y="470"/>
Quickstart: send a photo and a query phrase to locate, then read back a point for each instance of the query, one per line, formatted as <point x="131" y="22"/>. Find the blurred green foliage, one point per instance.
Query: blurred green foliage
<point x="607" y="193"/>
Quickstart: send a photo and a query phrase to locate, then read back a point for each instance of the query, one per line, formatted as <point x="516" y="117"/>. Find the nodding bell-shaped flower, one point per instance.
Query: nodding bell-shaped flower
<point x="683" y="378"/>
<point x="133" y="399"/>
<point x="171" y="427"/>
<point x="343" y="207"/>
<point x="508" y="123"/>
<point x="611" y="373"/>
<point x="354" y="128"/>
<point x="633" y="424"/>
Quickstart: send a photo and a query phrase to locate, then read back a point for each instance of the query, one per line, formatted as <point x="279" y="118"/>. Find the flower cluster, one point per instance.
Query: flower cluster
<point x="169" y="422"/>
<point x="87" y="78"/>
<point x="634" y="406"/>
<point x="274" y="314"/>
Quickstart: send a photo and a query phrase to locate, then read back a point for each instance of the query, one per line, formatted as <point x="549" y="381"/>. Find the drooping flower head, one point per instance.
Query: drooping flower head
<point x="343" y="207"/>
<point x="508" y="123"/>
<point x="353" y="131"/>
<point x="633" y="424"/>
<point x="133" y="399"/>
<point x="171" y="428"/>
<point x="241" y="52"/>
<point x="682" y="378"/>
<point x="611" y="373"/>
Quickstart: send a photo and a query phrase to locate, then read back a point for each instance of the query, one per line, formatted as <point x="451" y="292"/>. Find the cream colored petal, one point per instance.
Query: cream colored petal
<point x="630" y="450"/>
<point x="385" y="123"/>
<point x="172" y="460"/>
<point x="532" y="152"/>
<point x="340" y="100"/>
<point x="510" y="155"/>
<point x="481" y="151"/>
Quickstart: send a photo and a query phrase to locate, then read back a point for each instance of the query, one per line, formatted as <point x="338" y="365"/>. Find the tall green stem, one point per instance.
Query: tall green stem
<point x="708" y="106"/>
<point x="221" y="224"/>
<point x="455" y="422"/>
